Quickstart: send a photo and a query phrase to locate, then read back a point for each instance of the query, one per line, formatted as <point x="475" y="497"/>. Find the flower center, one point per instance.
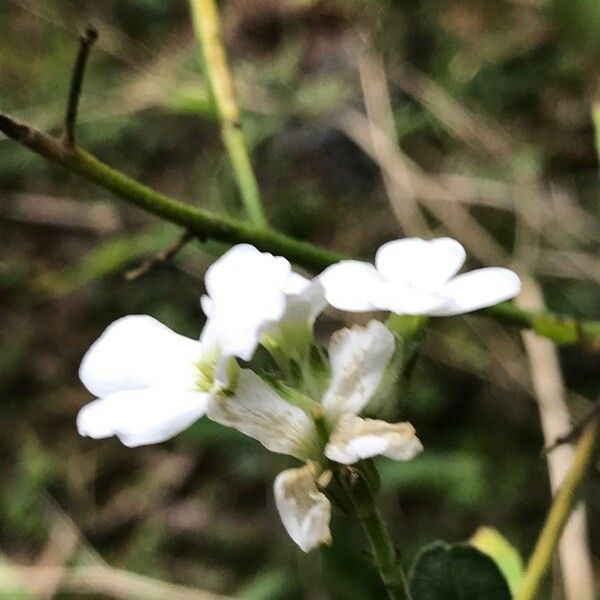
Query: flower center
<point x="205" y="372"/>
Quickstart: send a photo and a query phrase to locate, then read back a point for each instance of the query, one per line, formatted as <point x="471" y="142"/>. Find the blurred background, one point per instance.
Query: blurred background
<point x="367" y="120"/>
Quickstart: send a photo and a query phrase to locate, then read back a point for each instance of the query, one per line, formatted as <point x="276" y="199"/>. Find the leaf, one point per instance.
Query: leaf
<point x="502" y="552"/>
<point x="458" y="572"/>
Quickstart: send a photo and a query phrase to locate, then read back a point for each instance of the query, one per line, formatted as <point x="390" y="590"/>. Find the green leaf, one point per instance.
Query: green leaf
<point x="458" y="572"/>
<point x="502" y="552"/>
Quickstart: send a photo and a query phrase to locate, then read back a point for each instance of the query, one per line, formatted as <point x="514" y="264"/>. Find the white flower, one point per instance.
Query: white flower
<point x="417" y="277"/>
<point x="150" y="382"/>
<point x="250" y="292"/>
<point x="245" y="294"/>
<point x="358" y="358"/>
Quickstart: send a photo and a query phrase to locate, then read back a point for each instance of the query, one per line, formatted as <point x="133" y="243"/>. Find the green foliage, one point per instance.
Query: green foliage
<point x="458" y="572"/>
<point x="502" y="552"/>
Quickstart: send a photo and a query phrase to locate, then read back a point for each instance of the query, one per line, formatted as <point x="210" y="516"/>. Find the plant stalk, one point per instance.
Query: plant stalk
<point x="207" y="26"/>
<point x="558" y="516"/>
<point x="557" y="328"/>
<point x="384" y="555"/>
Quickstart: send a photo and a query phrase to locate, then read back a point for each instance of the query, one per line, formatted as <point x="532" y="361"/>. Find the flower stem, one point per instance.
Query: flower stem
<point x="207" y="25"/>
<point x="558" y="516"/>
<point x="384" y="555"/>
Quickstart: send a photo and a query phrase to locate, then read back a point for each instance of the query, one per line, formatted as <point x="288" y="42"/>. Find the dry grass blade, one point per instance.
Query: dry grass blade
<point x="113" y="583"/>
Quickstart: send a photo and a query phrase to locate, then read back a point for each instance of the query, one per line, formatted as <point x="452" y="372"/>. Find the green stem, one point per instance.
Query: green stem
<point x="207" y="26"/>
<point x="559" y="329"/>
<point x="596" y="123"/>
<point x="385" y="557"/>
<point x="558" y="516"/>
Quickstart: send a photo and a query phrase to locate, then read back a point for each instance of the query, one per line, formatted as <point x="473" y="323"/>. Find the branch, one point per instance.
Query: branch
<point x="202" y="224"/>
<point x="207" y="26"/>
<point x="559" y="514"/>
<point x="86" y="40"/>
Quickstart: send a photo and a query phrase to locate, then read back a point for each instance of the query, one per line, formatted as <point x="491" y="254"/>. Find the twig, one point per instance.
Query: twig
<point x="577" y="430"/>
<point x="202" y="224"/>
<point x="86" y="40"/>
<point x="198" y="221"/>
<point x="559" y="513"/>
<point x="207" y="26"/>
<point x="164" y="256"/>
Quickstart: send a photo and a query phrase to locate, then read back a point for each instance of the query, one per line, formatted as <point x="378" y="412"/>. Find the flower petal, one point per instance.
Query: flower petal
<point x="350" y="284"/>
<point x="296" y="284"/>
<point x="141" y="417"/>
<point x="137" y="352"/>
<point x="406" y="300"/>
<point x="355" y="439"/>
<point x="304" y="510"/>
<point x="305" y="303"/>
<point x="246" y="292"/>
<point x="258" y="411"/>
<point x="358" y="357"/>
<point x="421" y="263"/>
<point x="478" y="289"/>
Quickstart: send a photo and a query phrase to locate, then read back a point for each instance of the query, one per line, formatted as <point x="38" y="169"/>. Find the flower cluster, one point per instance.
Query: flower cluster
<point x="151" y="383"/>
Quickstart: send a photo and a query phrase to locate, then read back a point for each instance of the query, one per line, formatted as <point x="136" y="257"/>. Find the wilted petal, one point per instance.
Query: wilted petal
<point x="418" y="262"/>
<point x="245" y="287"/>
<point x="255" y="409"/>
<point x="138" y="352"/>
<point x="350" y="284"/>
<point x="304" y="510"/>
<point x="355" y="439"/>
<point x="141" y="417"/>
<point x="358" y="357"/>
<point x="478" y="289"/>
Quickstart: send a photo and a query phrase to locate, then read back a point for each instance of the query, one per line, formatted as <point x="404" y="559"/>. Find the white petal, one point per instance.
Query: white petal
<point x="246" y="292"/>
<point x="305" y="304"/>
<point x="207" y="306"/>
<point x="421" y="263"/>
<point x="137" y="352"/>
<point x="350" y="284"/>
<point x="358" y="357"/>
<point x="478" y="289"/>
<point x="258" y="411"/>
<point x="141" y="417"/>
<point x="405" y="300"/>
<point x="296" y="284"/>
<point x="304" y="510"/>
<point x="355" y="439"/>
